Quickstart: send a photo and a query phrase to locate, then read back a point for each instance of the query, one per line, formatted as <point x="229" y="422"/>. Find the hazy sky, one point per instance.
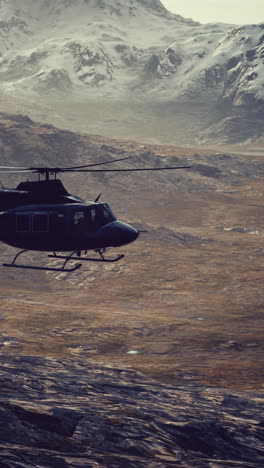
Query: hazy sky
<point x="226" y="11"/>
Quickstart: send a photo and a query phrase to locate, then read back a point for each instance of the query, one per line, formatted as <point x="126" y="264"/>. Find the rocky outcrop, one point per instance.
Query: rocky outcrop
<point x="60" y="413"/>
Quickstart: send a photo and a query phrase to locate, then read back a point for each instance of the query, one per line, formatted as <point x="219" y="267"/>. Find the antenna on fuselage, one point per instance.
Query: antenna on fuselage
<point x="97" y="199"/>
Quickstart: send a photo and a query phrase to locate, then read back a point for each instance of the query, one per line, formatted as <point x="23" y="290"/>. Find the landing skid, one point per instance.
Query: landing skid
<point x="32" y="267"/>
<point x="62" y="269"/>
<point x="73" y="256"/>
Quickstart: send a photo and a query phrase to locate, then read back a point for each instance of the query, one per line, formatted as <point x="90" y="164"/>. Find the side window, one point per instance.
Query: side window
<point x="59" y="219"/>
<point x="22" y="223"/>
<point x="40" y="223"/>
<point x="57" y="223"/>
<point x="78" y="218"/>
<point x="93" y="215"/>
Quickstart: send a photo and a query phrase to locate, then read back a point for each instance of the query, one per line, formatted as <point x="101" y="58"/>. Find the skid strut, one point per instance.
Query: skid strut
<point x="90" y="259"/>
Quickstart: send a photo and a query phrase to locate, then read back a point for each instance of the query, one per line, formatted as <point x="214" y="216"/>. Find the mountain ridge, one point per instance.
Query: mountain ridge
<point x="139" y="54"/>
<point x="46" y="8"/>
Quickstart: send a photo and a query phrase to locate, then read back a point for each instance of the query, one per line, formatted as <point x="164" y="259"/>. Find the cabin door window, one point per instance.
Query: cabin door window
<point x="40" y="223"/>
<point x="23" y="223"/>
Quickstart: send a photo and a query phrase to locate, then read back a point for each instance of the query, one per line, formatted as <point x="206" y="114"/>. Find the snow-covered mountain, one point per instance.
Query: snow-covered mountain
<point x="132" y="50"/>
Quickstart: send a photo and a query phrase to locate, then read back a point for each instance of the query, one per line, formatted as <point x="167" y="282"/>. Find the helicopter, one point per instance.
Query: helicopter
<point x="42" y="216"/>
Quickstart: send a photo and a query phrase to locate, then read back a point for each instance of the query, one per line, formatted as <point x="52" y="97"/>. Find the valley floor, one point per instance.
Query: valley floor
<point x="185" y="304"/>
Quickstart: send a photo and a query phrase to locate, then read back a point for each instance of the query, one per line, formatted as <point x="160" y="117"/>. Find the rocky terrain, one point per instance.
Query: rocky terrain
<point x="131" y="69"/>
<point x="157" y="360"/>
<point x="192" y="285"/>
<point x="63" y="413"/>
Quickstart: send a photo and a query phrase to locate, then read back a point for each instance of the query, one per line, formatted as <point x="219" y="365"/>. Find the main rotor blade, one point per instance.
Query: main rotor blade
<point x="18" y="171"/>
<point x="132" y="169"/>
<point x="37" y="170"/>
<point x="15" y="168"/>
<point x="56" y="170"/>
<point x="64" y="169"/>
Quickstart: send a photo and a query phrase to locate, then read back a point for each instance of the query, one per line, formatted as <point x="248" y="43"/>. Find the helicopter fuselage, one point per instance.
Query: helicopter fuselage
<point x="43" y="216"/>
<point x="64" y="227"/>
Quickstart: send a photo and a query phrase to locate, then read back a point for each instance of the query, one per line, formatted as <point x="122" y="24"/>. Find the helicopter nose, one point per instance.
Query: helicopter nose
<point x="119" y="233"/>
<point x="129" y="234"/>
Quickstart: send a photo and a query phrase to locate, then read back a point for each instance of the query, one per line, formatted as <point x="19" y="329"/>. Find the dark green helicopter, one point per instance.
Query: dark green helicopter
<point x="43" y="216"/>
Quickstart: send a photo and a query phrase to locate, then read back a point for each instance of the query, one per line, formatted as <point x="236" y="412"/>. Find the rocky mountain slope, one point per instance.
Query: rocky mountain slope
<point x="187" y="297"/>
<point x="184" y="307"/>
<point x="61" y="413"/>
<point x="28" y="143"/>
<point x="138" y="58"/>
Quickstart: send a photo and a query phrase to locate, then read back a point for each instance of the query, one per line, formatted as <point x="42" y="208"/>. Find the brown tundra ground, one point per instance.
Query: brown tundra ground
<point x="186" y="302"/>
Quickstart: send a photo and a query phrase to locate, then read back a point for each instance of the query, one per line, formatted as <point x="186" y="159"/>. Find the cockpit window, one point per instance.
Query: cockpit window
<point x="99" y="215"/>
<point x="93" y="217"/>
<point x="107" y="208"/>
